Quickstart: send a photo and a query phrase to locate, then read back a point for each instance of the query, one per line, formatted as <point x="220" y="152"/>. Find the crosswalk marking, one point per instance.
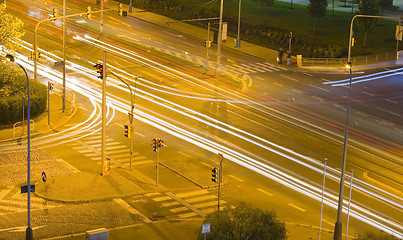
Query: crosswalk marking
<point x="170" y="204"/>
<point x="143" y="162"/>
<point x="160" y="199"/>
<point x="247" y="68"/>
<point x="179" y="209"/>
<point x="203" y="198"/>
<point x="186" y="215"/>
<point x="188" y="194"/>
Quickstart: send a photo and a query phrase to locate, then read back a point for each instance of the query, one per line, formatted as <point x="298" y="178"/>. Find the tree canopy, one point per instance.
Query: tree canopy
<point x="367" y="24"/>
<point x="10" y="29"/>
<point x="244" y="222"/>
<point x="317" y="8"/>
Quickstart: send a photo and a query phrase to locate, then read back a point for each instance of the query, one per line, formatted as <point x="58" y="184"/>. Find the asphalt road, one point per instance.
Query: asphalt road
<point x="282" y="127"/>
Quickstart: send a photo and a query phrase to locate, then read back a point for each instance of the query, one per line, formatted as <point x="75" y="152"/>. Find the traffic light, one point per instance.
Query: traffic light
<point x="352" y="41"/>
<point x="401" y="20"/>
<point x="55" y="14"/>
<point x="205" y="43"/>
<point x="120" y="10"/>
<point x="89" y="12"/>
<point x="209" y="44"/>
<point x="127" y="131"/>
<point x="214" y="175"/>
<point x="154" y="144"/>
<point x="50" y="85"/>
<point x="160" y="143"/>
<point x="100" y="70"/>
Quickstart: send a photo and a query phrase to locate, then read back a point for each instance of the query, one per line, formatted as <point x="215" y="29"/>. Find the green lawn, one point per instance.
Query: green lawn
<point x="331" y="28"/>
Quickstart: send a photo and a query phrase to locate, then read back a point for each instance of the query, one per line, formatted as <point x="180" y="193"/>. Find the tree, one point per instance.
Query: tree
<point x="385" y="4"/>
<point x="266" y="4"/>
<point x="243" y="223"/>
<point x="373" y="236"/>
<point x="367" y="24"/>
<point x="10" y="29"/>
<point x="317" y="8"/>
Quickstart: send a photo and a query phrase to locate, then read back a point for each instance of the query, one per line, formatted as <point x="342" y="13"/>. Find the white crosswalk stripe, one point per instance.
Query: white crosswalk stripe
<point x="200" y="200"/>
<point x="248" y="68"/>
<point x="90" y="147"/>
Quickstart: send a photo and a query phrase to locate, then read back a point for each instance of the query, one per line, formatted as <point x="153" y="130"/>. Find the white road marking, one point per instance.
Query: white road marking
<point x="263" y="191"/>
<point x="390" y="101"/>
<point x="236" y="178"/>
<point x="296" y="207"/>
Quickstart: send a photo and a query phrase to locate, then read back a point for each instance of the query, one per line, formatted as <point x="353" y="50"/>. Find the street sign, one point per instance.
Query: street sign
<point x="205" y="228"/>
<point x="24" y="189"/>
<point x="43" y="176"/>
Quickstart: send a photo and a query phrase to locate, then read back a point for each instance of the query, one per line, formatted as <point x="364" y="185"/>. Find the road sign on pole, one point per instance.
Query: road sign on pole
<point x="43" y="176"/>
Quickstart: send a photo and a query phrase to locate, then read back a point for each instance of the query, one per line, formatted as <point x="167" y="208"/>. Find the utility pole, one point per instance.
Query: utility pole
<point x="64" y="57"/>
<point x="103" y="140"/>
<point x="221" y="158"/>
<point x="156" y="144"/>
<point x="218" y="68"/>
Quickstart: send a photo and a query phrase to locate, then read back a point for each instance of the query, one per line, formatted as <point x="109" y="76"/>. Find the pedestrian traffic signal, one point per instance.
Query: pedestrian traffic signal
<point x="120" y="10"/>
<point x="89" y="12"/>
<point x="128" y="131"/>
<point x="214" y="175"/>
<point x="154" y="144"/>
<point x="50" y="85"/>
<point x="100" y="70"/>
<point x="55" y="14"/>
<point x="160" y="143"/>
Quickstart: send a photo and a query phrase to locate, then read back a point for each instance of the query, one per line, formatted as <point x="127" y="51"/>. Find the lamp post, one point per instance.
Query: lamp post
<point x="338" y="225"/>
<point x="28" y="232"/>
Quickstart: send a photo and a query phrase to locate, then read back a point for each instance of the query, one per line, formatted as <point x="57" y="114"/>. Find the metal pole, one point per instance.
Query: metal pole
<point x="101" y="26"/>
<point x="64" y="57"/>
<point x="28" y="232"/>
<point x="338" y="225"/>
<point x="221" y="158"/>
<point x="158" y="161"/>
<point x="130" y="6"/>
<point x="208" y="39"/>
<point x="349" y="201"/>
<point x="48" y="103"/>
<point x="321" y="204"/>
<point x="103" y="145"/>
<point x="238" y="40"/>
<point x="131" y="124"/>
<point x="218" y="68"/>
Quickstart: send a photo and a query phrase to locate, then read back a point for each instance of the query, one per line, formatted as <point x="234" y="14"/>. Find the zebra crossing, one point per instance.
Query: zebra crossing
<point x="12" y="201"/>
<point x="188" y="204"/>
<point x="251" y="68"/>
<point x="118" y="153"/>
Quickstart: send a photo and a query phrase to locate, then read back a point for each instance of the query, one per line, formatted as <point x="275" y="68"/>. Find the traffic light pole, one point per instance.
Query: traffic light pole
<point x="103" y="141"/>
<point x="48" y="103"/>
<point x="132" y="98"/>
<point x="158" y="163"/>
<point x="337" y="235"/>
<point x="221" y="158"/>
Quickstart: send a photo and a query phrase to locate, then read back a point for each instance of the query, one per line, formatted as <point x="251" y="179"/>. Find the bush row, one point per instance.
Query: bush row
<point x="259" y="33"/>
<point x="13" y="95"/>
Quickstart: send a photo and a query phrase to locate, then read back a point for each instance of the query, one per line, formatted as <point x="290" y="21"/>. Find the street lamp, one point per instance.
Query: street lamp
<point x="28" y="232"/>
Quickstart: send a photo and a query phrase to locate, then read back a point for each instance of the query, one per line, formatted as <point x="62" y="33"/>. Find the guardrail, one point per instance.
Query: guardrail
<point x="340" y="62"/>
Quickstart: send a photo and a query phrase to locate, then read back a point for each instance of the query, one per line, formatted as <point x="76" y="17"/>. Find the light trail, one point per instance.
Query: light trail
<point x="366" y="78"/>
<point x="235" y="156"/>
